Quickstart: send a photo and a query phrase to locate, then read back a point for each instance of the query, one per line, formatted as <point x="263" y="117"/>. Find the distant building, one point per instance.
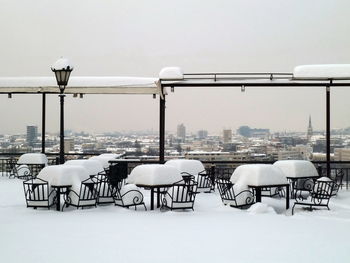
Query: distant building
<point x="181" y="131"/>
<point x="68" y="145"/>
<point x="342" y="154"/>
<point x="246" y="131"/>
<point x="227" y="136"/>
<point x="202" y="134"/>
<point x="32" y="135"/>
<point x="309" y="131"/>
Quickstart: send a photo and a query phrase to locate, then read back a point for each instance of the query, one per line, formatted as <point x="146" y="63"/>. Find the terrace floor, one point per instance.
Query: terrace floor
<point x="212" y="233"/>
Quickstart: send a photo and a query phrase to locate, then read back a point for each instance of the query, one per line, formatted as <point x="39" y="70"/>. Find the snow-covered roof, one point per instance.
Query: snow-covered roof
<point x="325" y="71"/>
<point x="85" y="85"/>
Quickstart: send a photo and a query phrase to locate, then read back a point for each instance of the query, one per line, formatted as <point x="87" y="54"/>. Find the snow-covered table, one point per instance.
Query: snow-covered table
<point x="154" y="176"/>
<point x="187" y="167"/>
<point x="259" y="176"/>
<point x="300" y="173"/>
<point x="63" y="178"/>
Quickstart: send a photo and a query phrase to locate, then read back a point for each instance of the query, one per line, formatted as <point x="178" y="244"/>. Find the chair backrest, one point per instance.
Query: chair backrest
<point x="225" y="189"/>
<point x="88" y="190"/>
<point x="183" y="191"/>
<point x="117" y="173"/>
<point x="322" y="190"/>
<point x="36" y="190"/>
<point x="205" y="179"/>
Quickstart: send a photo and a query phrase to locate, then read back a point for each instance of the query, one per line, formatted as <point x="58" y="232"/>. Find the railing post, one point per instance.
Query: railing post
<point x="43" y="124"/>
<point x="328" y="128"/>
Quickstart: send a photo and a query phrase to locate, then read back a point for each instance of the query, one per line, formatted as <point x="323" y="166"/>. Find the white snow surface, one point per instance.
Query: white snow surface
<point x="154" y="174"/>
<point x="32" y="158"/>
<point x="258" y="174"/>
<point x="64" y="174"/>
<point x="171" y="73"/>
<point x="297" y="168"/>
<point x="192" y="167"/>
<point x="211" y="233"/>
<point x="62" y="63"/>
<point x="325" y="71"/>
<point x="92" y="166"/>
<point x="103" y="160"/>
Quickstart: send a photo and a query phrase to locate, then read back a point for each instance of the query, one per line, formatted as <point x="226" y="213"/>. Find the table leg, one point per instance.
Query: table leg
<point x="58" y="199"/>
<point x="158" y="198"/>
<point x="152" y="198"/>
<point x="287" y="197"/>
<point x="258" y="194"/>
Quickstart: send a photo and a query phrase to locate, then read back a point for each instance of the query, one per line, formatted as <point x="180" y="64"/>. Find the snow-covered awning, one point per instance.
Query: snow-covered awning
<point x="85" y="85"/>
<point x="325" y="71"/>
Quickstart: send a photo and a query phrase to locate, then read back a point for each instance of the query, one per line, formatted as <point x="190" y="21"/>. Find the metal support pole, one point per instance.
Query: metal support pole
<point x="62" y="127"/>
<point x="161" y="128"/>
<point x="328" y="129"/>
<point x="43" y="124"/>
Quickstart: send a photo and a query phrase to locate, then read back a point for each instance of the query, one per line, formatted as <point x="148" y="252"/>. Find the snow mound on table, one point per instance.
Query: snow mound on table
<point x="104" y="160"/>
<point x="258" y="174"/>
<point x="32" y="158"/>
<point x="154" y="174"/>
<point x="261" y="208"/>
<point x="297" y="168"/>
<point x="171" y="73"/>
<point x="64" y="174"/>
<point x="192" y="167"/>
<point x="92" y="166"/>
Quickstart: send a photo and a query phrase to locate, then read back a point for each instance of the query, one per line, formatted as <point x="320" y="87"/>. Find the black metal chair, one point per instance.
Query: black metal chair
<point x="180" y="196"/>
<point x="123" y="195"/>
<point x="228" y="196"/>
<point x="38" y="194"/>
<point x="105" y="193"/>
<point x="21" y="172"/>
<point x="87" y="196"/>
<point x="205" y="181"/>
<point x="320" y="195"/>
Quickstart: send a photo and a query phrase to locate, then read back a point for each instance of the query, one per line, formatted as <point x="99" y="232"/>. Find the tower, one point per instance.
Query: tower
<point x="309" y="130"/>
<point x="181" y="132"/>
<point x="32" y="135"/>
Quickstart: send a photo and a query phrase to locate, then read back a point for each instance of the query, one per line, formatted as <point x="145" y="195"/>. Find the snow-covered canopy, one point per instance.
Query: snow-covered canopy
<point x="192" y="167"/>
<point x="325" y="71"/>
<point x="92" y="166"/>
<point x="154" y="174"/>
<point x="33" y="158"/>
<point x="85" y="85"/>
<point x="297" y="168"/>
<point x="258" y="175"/>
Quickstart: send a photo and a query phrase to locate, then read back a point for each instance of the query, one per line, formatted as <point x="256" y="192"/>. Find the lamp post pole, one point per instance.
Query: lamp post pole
<point x="62" y="125"/>
<point x="62" y="69"/>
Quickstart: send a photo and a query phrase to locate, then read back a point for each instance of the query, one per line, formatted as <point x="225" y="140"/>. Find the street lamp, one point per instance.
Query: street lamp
<point x="62" y="69"/>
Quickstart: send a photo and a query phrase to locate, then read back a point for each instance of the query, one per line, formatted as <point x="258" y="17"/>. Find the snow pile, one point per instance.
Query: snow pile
<point x="103" y="160"/>
<point x="33" y="158"/>
<point x="260" y="208"/>
<point x="297" y="168"/>
<point x="110" y="155"/>
<point x="64" y="174"/>
<point x="327" y="71"/>
<point x="258" y="174"/>
<point x="171" y="73"/>
<point x="192" y="167"/>
<point x="92" y="166"/>
<point x="62" y="64"/>
<point x="130" y="195"/>
<point x="154" y="174"/>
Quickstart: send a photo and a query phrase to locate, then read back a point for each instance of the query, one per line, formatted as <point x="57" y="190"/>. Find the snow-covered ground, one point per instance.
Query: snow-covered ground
<point x="212" y="233"/>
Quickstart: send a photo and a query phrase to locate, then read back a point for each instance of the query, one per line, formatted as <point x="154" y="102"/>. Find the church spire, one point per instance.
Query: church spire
<point x="309" y="130"/>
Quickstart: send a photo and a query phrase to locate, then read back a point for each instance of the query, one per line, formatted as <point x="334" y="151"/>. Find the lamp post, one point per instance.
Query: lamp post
<point x="62" y="69"/>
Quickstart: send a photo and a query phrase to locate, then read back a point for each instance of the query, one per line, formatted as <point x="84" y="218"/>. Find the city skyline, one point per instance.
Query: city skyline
<point x="121" y="38"/>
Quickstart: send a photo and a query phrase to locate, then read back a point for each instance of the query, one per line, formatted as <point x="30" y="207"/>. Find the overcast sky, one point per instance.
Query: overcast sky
<point x="138" y="38"/>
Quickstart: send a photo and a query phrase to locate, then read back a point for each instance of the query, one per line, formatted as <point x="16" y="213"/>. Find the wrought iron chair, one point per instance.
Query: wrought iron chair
<point x="320" y="195"/>
<point x="273" y="192"/>
<point x="87" y="196"/>
<point x="105" y="193"/>
<point x="205" y="181"/>
<point x="228" y="196"/>
<point x="301" y="188"/>
<point x="123" y="195"/>
<point x="21" y="172"/>
<point x="180" y="196"/>
<point x="37" y="193"/>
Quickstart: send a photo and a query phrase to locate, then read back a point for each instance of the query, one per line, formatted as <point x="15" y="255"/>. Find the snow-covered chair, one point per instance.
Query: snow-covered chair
<point x="38" y="194"/>
<point x="205" y="181"/>
<point x="86" y="196"/>
<point x="320" y="194"/>
<point x="29" y="165"/>
<point x="228" y="195"/>
<point x="128" y="195"/>
<point x="180" y="196"/>
<point x="105" y="193"/>
<point x="21" y="172"/>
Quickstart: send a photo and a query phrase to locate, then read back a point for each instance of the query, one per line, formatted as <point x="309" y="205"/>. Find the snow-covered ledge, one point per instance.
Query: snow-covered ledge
<point x="171" y="73"/>
<point x="325" y="71"/>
